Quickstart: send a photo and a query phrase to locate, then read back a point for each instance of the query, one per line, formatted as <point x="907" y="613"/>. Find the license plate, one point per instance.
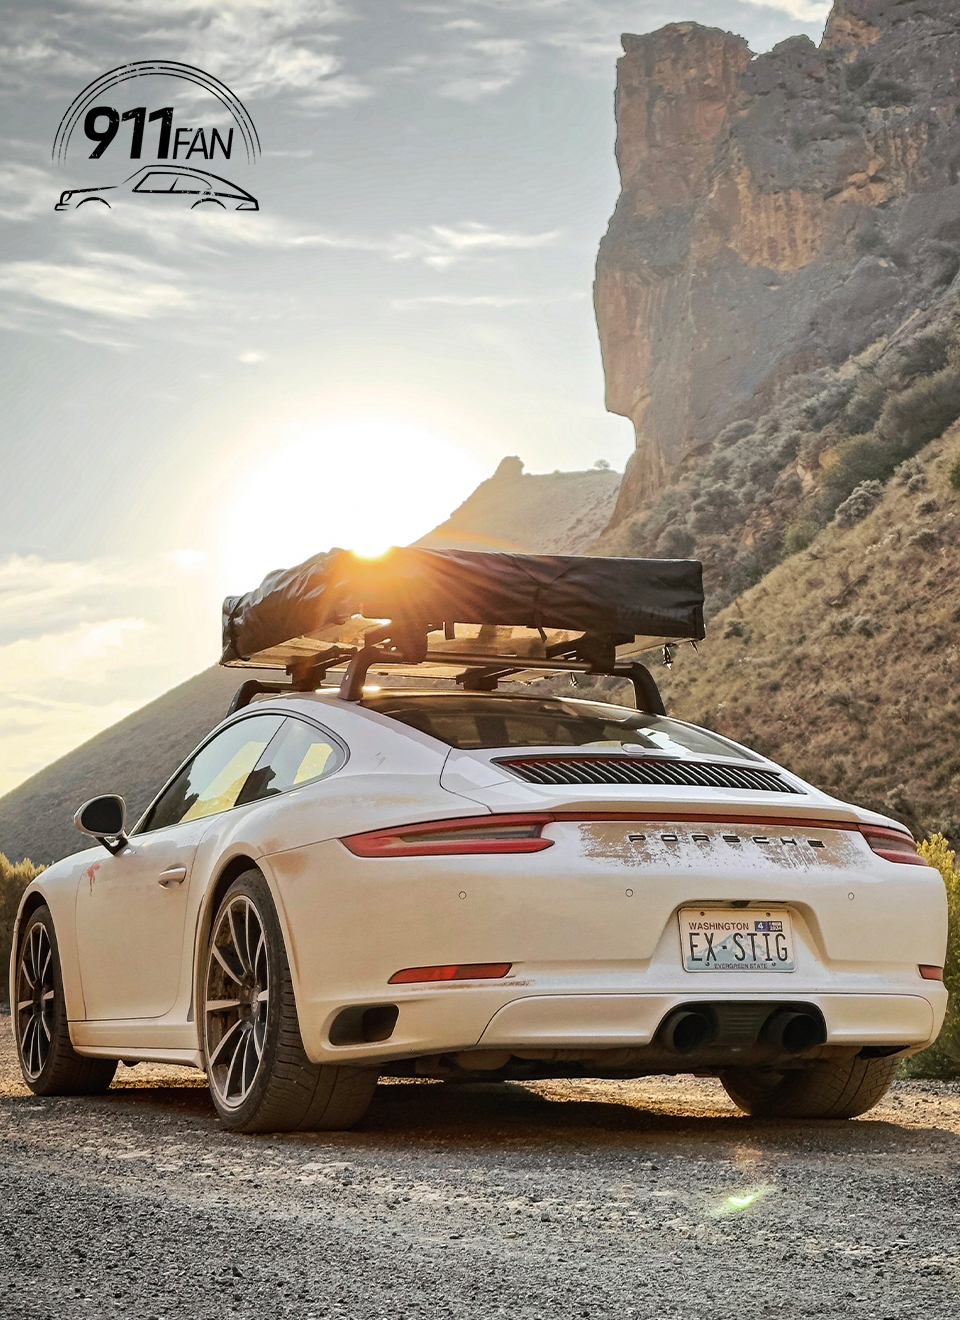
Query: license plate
<point x="736" y="940"/>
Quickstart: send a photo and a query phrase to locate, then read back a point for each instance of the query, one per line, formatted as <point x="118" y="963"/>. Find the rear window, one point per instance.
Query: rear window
<point x="477" y="722"/>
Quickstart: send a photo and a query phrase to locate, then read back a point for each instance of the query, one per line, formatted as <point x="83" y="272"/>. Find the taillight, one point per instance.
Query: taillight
<point x="471" y="834"/>
<point x="931" y="973"/>
<point x="893" y="845"/>
<point x="454" y="972"/>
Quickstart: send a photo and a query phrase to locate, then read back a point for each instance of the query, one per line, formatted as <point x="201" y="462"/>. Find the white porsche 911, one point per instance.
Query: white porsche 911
<point x="347" y="882"/>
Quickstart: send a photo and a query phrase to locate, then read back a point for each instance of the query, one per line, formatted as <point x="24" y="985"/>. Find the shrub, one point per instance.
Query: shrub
<point x="14" y="878"/>
<point x="920" y="414"/>
<point x="861" y="502"/>
<point x="955" y="475"/>
<point x="734" y="432"/>
<point x="864" y="409"/>
<point x="798" y="535"/>
<point x="674" y="542"/>
<point x="924" y="355"/>
<point x="942" y="1059"/>
<point x="828" y="406"/>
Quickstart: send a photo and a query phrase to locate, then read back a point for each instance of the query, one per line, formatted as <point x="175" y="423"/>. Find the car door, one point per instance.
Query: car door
<point x="131" y="907"/>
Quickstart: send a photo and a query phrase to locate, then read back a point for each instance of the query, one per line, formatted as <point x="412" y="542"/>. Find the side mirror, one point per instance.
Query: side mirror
<point x="104" y="818"/>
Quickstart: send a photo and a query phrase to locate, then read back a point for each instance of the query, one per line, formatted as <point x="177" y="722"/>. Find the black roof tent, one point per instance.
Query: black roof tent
<point x="476" y="617"/>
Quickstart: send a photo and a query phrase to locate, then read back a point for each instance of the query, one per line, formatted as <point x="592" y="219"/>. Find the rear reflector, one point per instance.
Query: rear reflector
<point x="471" y="834"/>
<point x="457" y="972"/>
<point x="893" y="845"/>
<point x="930" y="973"/>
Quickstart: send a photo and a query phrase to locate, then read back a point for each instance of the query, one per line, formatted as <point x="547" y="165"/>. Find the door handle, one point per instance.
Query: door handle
<point x="172" y="876"/>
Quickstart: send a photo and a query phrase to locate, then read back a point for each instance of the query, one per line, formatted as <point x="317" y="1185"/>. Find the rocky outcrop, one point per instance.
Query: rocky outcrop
<point x="778" y="214"/>
<point x="532" y="513"/>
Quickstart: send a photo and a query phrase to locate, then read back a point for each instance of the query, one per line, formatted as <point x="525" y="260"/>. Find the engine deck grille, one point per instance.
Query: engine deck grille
<point x="643" y="770"/>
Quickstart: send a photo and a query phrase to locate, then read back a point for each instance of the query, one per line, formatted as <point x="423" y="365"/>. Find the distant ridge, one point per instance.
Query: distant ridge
<point x="562" y="512"/>
<point x="545" y="513"/>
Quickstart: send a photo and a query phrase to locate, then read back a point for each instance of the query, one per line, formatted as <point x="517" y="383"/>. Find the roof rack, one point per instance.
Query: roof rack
<point x="532" y="615"/>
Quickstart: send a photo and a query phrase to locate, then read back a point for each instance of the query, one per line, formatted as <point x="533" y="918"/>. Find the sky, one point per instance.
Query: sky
<point x="192" y="397"/>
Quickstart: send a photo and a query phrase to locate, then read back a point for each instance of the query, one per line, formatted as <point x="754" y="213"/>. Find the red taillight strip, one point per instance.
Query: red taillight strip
<point x="930" y="973"/>
<point x="521" y="833"/>
<point x="456" y="972"/>
<point x="893" y="845"/>
<point x="492" y="834"/>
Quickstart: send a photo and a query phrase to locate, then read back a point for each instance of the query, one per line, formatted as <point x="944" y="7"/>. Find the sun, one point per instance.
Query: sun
<point x="362" y="485"/>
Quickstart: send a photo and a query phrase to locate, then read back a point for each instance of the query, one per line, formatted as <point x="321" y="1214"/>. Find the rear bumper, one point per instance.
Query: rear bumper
<point x="448" y="1019"/>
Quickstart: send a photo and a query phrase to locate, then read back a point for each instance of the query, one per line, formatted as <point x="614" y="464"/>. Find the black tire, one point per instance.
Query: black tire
<point x="48" y="1062"/>
<point x="259" y="1075"/>
<point x="825" y="1089"/>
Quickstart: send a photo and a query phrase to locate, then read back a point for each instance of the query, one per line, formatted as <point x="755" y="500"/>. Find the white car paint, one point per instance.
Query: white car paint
<point x="589" y="925"/>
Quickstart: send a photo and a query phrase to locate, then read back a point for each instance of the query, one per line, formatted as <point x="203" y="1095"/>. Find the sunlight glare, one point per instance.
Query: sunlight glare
<point x="363" y="486"/>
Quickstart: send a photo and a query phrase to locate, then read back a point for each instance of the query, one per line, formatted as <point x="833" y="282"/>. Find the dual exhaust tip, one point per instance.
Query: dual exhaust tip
<point x="787" y="1031"/>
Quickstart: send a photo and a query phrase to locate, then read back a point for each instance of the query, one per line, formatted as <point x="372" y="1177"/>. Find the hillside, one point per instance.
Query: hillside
<point x="843" y="662"/>
<point x="777" y="293"/>
<point x="544" y="513"/>
<point x="559" y="512"/>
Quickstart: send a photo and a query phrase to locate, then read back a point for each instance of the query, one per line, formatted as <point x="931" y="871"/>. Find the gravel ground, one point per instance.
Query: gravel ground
<point x="643" y="1199"/>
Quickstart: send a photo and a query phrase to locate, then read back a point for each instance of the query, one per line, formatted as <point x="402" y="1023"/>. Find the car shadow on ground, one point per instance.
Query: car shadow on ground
<point x="406" y="1115"/>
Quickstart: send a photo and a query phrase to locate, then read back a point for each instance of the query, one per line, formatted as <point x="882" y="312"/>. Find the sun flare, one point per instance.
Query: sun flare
<point x="362" y="486"/>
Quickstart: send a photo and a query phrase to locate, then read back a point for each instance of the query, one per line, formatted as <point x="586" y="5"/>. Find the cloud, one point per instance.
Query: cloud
<point x="807" y="11"/>
<point x="25" y="192"/>
<point x="37" y="595"/>
<point x="441" y="246"/>
<point x="84" y="643"/>
<point x="493" y="300"/>
<point x="107" y="284"/>
<point x="193" y="232"/>
<point x="472" y="70"/>
<point x="260" y="48"/>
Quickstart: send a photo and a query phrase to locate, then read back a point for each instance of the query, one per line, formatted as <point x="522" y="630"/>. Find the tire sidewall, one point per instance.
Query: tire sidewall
<point x="254" y="887"/>
<point x="41" y="916"/>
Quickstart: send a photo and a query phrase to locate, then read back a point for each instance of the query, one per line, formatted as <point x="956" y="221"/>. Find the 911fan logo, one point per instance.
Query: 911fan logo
<point x="214" y="126"/>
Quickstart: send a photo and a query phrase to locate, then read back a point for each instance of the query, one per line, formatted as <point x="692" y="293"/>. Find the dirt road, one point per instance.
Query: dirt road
<point x="647" y="1199"/>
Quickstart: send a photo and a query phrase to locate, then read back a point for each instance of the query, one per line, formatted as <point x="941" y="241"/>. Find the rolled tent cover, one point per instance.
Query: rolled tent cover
<point x="622" y="598"/>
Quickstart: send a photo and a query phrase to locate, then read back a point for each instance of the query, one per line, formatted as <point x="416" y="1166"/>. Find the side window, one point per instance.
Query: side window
<point x="215" y="777"/>
<point x="188" y="183"/>
<point x="156" y="181"/>
<point x="299" y="753"/>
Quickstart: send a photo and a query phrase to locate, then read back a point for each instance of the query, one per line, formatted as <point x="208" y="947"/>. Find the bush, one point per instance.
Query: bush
<point x="734" y="432"/>
<point x="955" y="475"/>
<point x="828" y="406"/>
<point x="674" y="542"/>
<point x="924" y="355"/>
<point x="861" y="502"/>
<point x="942" y="1059"/>
<point x="864" y="409"/>
<point x="14" y="878"/>
<point x="798" y="535"/>
<point x="922" y="413"/>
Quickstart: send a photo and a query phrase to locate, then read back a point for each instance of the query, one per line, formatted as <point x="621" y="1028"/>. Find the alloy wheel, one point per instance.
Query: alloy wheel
<point x="35" y="1000"/>
<point x="236" y="1002"/>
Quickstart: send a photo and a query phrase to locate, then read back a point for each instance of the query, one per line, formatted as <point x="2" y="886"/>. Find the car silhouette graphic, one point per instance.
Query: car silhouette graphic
<point x="184" y="187"/>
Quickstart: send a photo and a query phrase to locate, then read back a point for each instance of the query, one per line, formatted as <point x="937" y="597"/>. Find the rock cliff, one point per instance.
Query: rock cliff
<point x="783" y="219"/>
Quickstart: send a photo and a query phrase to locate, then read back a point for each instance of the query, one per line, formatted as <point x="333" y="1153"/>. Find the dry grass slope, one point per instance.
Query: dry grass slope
<point x="843" y="661"/>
